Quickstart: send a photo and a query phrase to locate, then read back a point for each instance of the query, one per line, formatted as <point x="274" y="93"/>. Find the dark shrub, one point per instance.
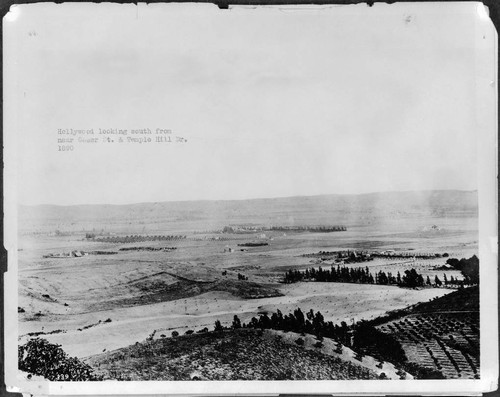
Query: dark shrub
<point x="421" y="372"/>
<point x="218" y="326"/>
<point x="39" y="357"/>
<point x="236" y="322"/>
<point x="388" y="348"/>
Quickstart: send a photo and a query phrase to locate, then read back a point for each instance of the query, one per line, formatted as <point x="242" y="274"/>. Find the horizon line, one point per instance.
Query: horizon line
<point x="247" y="199"/>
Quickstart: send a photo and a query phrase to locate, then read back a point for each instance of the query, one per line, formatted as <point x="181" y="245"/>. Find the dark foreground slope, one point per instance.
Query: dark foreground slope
<point x="242" y="354"/>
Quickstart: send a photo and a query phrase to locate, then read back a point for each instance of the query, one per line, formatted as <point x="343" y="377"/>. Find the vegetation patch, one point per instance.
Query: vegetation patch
<point x="39" y="357"/>
<point x="166" y="249"/>
<point x="440" y="337"/>
<point x="241" y="354"/>
<point x="432" y="340"/>
<point x="343" y="274"/>
<point x="132" y="239"/>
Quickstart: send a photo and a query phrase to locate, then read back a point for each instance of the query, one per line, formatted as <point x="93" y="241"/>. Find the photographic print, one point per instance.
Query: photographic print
<point x="282" y="194"/>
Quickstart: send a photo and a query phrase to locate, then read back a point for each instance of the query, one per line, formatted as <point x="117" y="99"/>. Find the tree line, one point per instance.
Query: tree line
<point x="409" y="279"/>
<point x="319" y="229"/>
<point x="133" y="239"/>
<point x="359" y="336"/>
<point x="310" y="322"/>
<point x="419" y="255"/>
<point x="341" y="257"/>
<point x="468" y="267"/>
<point x="344" y="274"/>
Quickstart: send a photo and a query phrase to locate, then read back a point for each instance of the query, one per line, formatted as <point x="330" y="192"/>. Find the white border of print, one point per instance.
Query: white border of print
<point x="486" y="130"/>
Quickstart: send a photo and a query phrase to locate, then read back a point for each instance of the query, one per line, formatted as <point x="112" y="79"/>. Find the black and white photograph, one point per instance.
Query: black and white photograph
<point x="288" y="194"/>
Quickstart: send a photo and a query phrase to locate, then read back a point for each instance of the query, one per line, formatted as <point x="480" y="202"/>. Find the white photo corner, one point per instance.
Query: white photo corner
<point x="259" y="199"/>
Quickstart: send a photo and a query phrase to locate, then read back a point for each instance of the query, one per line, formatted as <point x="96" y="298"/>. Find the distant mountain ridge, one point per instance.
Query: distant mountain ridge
<point x="434" y="193"/>
<point x="332" y="209"/>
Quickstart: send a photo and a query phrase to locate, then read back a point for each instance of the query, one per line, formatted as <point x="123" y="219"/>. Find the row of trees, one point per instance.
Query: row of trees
<point x="341" y="256"/>
<point x="134" y="238"/>
<point x="359" y="275"/>
<point x="319" y="229"/>
<point x="310" y="322"/>
<point x="399" y="254"/>
<point x="410" y="278"/>
<point x="369" y="255"/>
<point x="361" y="336"/>
<point x="148" y="249"/>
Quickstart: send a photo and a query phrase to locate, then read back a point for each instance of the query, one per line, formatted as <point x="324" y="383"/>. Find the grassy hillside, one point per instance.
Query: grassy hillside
<point x="242" y="354"/>
<point x="437" y="339"/>
<point x="462" y="300"/>
<point x="154" y="292"/>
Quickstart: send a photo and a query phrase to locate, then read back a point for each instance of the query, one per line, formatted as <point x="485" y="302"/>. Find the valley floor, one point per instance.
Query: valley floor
<point x="97" y="303"/>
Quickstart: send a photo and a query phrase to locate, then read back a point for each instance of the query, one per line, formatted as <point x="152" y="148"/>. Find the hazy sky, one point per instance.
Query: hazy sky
<point x="273" y="103"/>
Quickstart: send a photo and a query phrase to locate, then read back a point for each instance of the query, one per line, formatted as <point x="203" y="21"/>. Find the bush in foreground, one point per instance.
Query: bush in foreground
<point x="39" y="357"/>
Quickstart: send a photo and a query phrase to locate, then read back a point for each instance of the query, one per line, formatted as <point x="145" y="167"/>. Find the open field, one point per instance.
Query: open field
<point x="95" y="303"/>
<point x="337" y="302"/>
